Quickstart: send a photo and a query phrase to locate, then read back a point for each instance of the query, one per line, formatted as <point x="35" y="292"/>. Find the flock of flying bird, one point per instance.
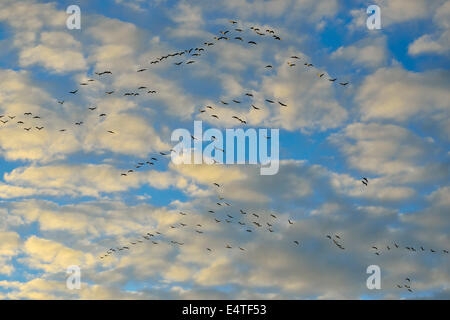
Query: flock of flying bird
<point x="248" y="222"/>
<point x="190" y="55"/>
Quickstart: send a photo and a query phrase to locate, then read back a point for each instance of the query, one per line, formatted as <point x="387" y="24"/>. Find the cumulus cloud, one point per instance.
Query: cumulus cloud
<point x="400" y="95"/>
<point x="367" y="53"/>
<point x="438" y="42"/>
<point x="64" y="201"/>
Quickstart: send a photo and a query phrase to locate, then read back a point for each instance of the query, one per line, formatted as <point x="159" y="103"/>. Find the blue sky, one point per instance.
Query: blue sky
<point x="64" y="201"/>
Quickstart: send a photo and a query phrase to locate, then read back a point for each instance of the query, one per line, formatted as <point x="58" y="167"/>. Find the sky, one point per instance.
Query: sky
<point x="65" y="202"/>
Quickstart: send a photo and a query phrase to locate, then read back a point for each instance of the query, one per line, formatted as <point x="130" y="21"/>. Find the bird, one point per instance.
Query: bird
<point x="365" y="181"/>
<point x="296" y="242"/>
<point x="290" y="222"/>
<point x="282" y="104"/>
<point x="343" y="83"/>
<point x="73" y="92"/>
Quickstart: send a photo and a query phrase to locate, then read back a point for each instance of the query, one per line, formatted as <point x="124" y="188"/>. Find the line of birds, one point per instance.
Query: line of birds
<point x="236" y="101"/>
<point x="141" y="164"/>
<point x="29" y="116"/>
<point x="336" y="240"/>
<point x="409" y="248"/>
<point x="309" y="65"/>
<point x="406" y="285"/>
<point x="377" y="252"/>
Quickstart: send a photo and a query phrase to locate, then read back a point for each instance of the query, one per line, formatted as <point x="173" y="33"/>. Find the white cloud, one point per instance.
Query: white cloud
<point x="400" y="95"/>
<point x="369" y="53"/>
<point x="438" y="42"/>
